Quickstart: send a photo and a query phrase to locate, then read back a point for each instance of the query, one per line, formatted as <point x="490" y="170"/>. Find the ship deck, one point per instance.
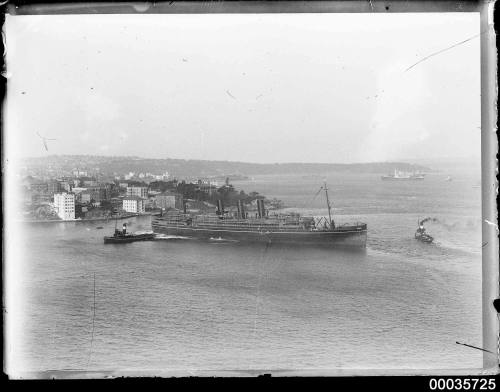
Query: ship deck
<point x="270" y="224"/>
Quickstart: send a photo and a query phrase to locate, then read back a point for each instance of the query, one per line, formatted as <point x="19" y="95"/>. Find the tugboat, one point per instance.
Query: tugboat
<point x="121" y="236"/>
<point x="421" y="235"/>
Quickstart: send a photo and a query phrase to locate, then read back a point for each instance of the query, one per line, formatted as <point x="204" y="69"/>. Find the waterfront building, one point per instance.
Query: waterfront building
<point x="100" y="192"/>
<point x="39" y="187"/>
<point x="116" y="204"/>
<point x="80" y="173"/>
<point x="139" y="191"/>
<point x="85" y="197"/>
<point x="40" y="198"/>
<point x="64" y="204"/>
<point x="88" y="181"/>
<point x="53" y="187"/>
<point x="134" y="204"/>
<point x="66" y="185"/>
<point x="168" y="200"/>
<point x="77" y="190"/>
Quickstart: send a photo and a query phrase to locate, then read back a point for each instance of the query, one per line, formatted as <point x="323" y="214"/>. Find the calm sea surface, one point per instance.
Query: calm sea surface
<point x="186" y="305"/>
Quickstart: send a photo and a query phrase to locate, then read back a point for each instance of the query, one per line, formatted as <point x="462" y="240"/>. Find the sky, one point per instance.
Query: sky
<point x="332" y="88"/>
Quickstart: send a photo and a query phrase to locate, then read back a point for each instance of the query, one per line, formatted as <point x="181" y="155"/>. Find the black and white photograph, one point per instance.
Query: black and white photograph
<point x="283" y="189"/>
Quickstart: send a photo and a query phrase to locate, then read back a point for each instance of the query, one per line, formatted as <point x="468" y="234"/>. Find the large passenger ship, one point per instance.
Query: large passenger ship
<point x="275" y="228"/>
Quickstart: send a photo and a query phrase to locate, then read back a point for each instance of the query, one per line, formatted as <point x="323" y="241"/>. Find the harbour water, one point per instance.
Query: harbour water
<point x="188" y="306"/>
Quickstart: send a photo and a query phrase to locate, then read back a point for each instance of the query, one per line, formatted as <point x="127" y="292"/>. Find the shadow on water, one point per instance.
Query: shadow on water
<point x="285" y="251"/>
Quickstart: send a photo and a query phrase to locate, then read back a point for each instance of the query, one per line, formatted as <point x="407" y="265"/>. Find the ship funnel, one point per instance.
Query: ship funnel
<point x="241" y="210"/>
<point x="220" y="207"/>
<point x="260" y="208"/>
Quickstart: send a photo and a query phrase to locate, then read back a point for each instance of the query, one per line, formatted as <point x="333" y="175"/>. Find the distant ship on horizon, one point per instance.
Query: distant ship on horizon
<point x="402" y="175"/>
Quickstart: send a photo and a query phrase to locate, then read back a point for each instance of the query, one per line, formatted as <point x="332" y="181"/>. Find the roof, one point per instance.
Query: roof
<point x="169" y="193"/>
<point x="133" y="198"/>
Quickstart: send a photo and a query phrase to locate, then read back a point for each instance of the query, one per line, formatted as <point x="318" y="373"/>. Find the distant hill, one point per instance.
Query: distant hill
<point x="201" y="168"/>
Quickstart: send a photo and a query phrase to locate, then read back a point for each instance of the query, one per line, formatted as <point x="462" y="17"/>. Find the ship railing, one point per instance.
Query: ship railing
<point x="283" y="222"/>
<point x="351" y="224"/>
<point x="263" y="224"/>
<point x="275" y="223"/>
<point x="230" y="223"/>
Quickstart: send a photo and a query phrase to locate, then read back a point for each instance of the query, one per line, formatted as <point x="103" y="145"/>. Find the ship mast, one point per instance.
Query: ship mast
<point x="332" y="223"/>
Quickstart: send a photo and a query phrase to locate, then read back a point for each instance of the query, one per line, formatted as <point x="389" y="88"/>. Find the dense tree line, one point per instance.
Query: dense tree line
<point x="227" y="193"/>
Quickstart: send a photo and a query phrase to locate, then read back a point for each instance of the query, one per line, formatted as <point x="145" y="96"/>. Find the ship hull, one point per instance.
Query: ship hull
<point x="333" y="238"/>
<point x="127" y="239"/>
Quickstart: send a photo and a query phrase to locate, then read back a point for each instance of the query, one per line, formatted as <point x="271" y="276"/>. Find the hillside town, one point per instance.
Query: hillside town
<point x="89" y="194"/>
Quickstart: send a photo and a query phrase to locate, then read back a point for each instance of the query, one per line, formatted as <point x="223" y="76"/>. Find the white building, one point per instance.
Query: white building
<point x="64" y="203"/>
<point x="134" y="204"/>
<point x="139" y="191"/>
<point x="77" y="190"/>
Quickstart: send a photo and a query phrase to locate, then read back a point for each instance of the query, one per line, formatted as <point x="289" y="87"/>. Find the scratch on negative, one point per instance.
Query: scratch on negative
<point x="444" y="50"/>
<point x="491" y="223"/>
<point x="93" y="325"/>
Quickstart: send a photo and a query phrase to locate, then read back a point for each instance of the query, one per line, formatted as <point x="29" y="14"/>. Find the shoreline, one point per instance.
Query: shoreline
<point x="89" y="219"/>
